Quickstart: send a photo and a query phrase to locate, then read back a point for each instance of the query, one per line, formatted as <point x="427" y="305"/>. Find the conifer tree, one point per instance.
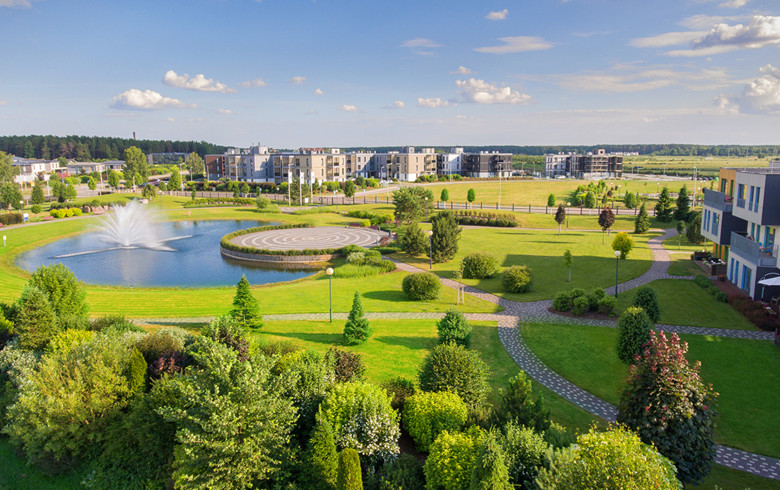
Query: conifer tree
<point x="445" y="195"/>
<point x="36" y="323"/>
<point x="322" y="456"/>
<point x="349" y="476"/>
<point x="246" y="310"/>
<point x="37" y="194"/>
<point x="357" y="329"/>
<point x="683" y="205"/>
<point x="446" y="233"/>
<point x="633" y="333"/>
<point x="663" y="208"/>
<point x="490" y="472"/>
<point x="642" y="222"/>
<point x="551" y="200"/>
<point x="137" y="372"/>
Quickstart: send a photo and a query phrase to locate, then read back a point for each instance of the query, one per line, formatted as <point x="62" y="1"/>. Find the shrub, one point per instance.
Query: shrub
<point x="580" y="305"/>
<point x="721" y="296"/>
<point x="526" y="452"/>
<point x="557" y="436"/>
<point x="633" y="333"/>
<point x="490" y="472"/>
<point x="454" y="328"/>
<point x="450" y="367"/>
<point x="427" y="414"/>
<point x="322" y="458"/>
<point x="137" y="372"/>
<point x="355" y="257"/>
<point x="349" y="475"/>
<point x="593" y="298"/>
<point x="116" y="323"/>
<point x="227" y="331"/>
<point x="413" y="240"/>
<point x="65" y="293"/>
<point x="702" y="281"/>
<point x="421" y="286"/>
<point x="562" y="301"/>
<point x="67" y="340"/>
<point x="624" y="243"/>
<point x="518" y="279"/>
<point x="403" y="473"/>
<point x="262" y="202"/>
<point x="463" y="447"/>
<point x="517" y="405"/>
<point x="399" y="389"/>
<point x="607" y="305"/>
<point x="347" y="366"/>
<point x="155" y="344"/>
<point x="11" y="218"/>
<point x="36" y="322"/>
<point x="479" y="265"/>
<point x="647" y="299"/>
<point x="577" y="292"/>
<point x="36" y="209"/>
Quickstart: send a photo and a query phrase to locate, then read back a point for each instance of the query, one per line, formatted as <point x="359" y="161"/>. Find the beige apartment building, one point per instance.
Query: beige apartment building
<point x="408" y="164"/>
<point x="310" y="164"/>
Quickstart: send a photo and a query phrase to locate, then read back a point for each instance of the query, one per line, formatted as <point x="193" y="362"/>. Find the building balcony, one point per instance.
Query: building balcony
<point x="718" y="200"/>
<point x="753" y="251"/>
<point x="740" y="202"/>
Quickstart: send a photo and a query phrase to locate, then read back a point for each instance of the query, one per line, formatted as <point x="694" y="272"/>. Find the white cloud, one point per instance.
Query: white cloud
<point x="148" y="100"/>
<point x="310" y="113"/>
<point x="2" y="102"/>
<point x="734" y="4"/>
<point x="497" y="15"/>
<point x="198" y="82"/>
<point x="297" y="80"/>
<point x="517" y="44"/>
<point x="462" y="70"/>
<point x="631" y="78"/>
<point x="666" y="39"/>
<point x="349" y="108"/>
<point x="760" y="31"/>
<point x="420" y="42"/>
<point x="257" y="82"/>
<point x="398" y="104"/>
<point x="761" y="96"/>
<point x="170" y="119"/>
<point x="432" y="103"/>
<point x="318" y="91"/>
<point x="224" y="111"/>
<point x="482" y="92"/>
<point x="16" y="3"/>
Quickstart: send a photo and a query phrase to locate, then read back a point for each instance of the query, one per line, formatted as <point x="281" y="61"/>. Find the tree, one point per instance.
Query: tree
<point x="647" y="299"/>
<point x="63" y="290"/>
<point x="37" y="196"/>
<point x="69" y="192"/>
<point x="450" y="367"/>
<point x="683" y="205"/>
<point x="680" y="231"/>
<point x="517" y="405"/>
<point x="246" y="310"/>
<point x="174" y="182"/>
<point x="663" y="208"/>
<point x="490" y="472"/>
<point x="590" y="200"/>
<point x="357" y="329"/>
<point x="633" y="333"/>
<point x="446" y="233"/>
<point x="232" y="421"/>
<point x="162" y="186"/>
<point x="322" y="458"/>
<point x="194" y="165"/>
<point x="10" y="195"/>
<point x="414" y="241"/>
<point x="245" y="189"/>
<point x="91" y="184"/>
<point x="445" y="195"/>
<point x="560" y="217"/>
<point x="349" y="473"/>
<point x="135" y="166"/>
<point x="7" y="170"/>
<point x="427" y="414"/>
<point x="453" y="327"/>
<point x="624" y="243"/>
<point x="568" y="262"/>
<point x="667" y="404"/>
<point x="299" y="191"/>
<point x="36" y="322"/>
<point x="149" y="192"/>
<point x="471" y="196"/>
<point x="349" y="189"/>
<point x="136" y="372"/>
<point x="262" y="202"/>
<point x="642" y="222"/>
<point x="463" y="447"/>
<point x="616" y="458"/>
<point x="360" y="181"/>
<point x="525" y="452"/>
<point x="412" y="204"/>
<point x="225" y="330"/>
<point x="630" y="200"/>
<point x="113" y="179"/>
<point x="693" y="230"/>
<point x="551" y="200"/>
<point x="606" y="220"/>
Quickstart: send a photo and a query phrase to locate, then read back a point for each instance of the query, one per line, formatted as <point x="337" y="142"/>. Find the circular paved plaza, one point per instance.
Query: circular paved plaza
<point x="310" y="238"/>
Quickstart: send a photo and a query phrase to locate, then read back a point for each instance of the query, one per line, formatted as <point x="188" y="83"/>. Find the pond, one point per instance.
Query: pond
<point x="195" y="261"/>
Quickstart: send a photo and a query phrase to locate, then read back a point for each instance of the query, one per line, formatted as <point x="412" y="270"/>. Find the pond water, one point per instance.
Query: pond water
<point x="195" y="261"/>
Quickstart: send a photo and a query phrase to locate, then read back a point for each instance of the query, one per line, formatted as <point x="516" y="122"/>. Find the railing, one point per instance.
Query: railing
<point x="718" y="200"/>
<point x="740" y="202"/>
<point x="754" y="251"/>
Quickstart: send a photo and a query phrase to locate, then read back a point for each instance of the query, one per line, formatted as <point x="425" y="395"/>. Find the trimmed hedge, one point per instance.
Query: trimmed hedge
<point x="220" y="201"/>
<point x="11" y="218"/>
<point x="485" y="218"/>
<point x="580" y="302"/>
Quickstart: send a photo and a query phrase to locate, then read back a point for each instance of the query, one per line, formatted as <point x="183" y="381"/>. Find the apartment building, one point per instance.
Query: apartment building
<point x="556" y="165"/>
<point x="408" y="164"/>
<point x="310" y="164"/>
<point x="361" y="163"/>
<point x="486" y="164"/>
<point x="32" y="170"/>
<point x="450" y="163"/>
<point x="593" y="165"/>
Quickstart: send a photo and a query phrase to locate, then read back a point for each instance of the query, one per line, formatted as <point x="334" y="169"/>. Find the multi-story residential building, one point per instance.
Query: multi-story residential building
<point x="555" y="165"/>
<point x="409" y="164"/>
<point x="310" y="164"/>
<point x="256" y="165"/>
<point x="593" y="165"/>
<point x="166" y="158"/>
<point x="361" y="163"/>
<point x="718" y="220"/>
<point x="450" y="163"/>
<point x="76" y="168"/>
<point x="216" y="166"/>
<point x="486" y="164"/>
<point x="32" y="170"/>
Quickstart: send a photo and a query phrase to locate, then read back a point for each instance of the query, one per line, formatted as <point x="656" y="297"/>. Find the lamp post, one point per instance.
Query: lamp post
<point x="617" y="262"/>
<point x="4" y="240"/>
<point x="430" y="247"/>
<point x="329" y="272"/>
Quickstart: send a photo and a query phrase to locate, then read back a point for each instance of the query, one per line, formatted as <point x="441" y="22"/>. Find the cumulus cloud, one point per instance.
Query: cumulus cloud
<point x="734" y="4"/>
<point x="147" y="100"/>
<point x="224" y="111"/>
<point x="432" y="103"/>
<point x="257" y="82"/>
<point x="349" y="108"/>
<point x="297" y="80"/>
<point x="516" y="44"/>
<point x="761" y="96"/>
<point x="420" y="42"/>
<point x="198" y="82"/>
<point x="398" y="104"/>
<point x="462" y="70"/>
<point x="497" y="15"/>
<point x="318" y="91"/>
<point x="16" y="3"/>
<point x="482" y="92"/>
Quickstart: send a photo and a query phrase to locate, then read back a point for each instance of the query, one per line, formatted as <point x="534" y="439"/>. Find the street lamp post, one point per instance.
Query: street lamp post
<point x="329" y="272"/>
<point x="617" y="262"/>
<point x="430" y="247"/>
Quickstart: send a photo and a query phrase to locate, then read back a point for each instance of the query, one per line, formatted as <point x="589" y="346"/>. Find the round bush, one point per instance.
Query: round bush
<point x="479" y="265"/>
<point x="426" y="415"/>
<point x="454" y="328"/>
<point x="647" y="299"/>
<point x="580" y="305"/>
<point x="607" y="305"/>
<point x="562" y="301"/>
<point x="518" y="279"/>
<point x="36" y="209"/>
<point x="421" y="286"/>
<point x="451" y="367"/>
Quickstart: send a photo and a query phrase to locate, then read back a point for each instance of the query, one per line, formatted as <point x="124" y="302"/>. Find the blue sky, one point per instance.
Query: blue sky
<point x="290" y="73"/>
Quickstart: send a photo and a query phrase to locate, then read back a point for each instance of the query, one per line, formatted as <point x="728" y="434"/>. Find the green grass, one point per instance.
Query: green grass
<point x="744" y="372"/>
<point x="542" y="251"/>
<point x="15" y="473"/>
<point x="704" y="165"/>
<point x="684" y="245"/>
<point x="682" y="265"/>
<point x="684" y="303"/>
<point x="727" y="478"/>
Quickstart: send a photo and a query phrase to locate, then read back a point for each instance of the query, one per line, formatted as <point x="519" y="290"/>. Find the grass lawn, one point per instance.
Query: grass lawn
<point x="685" y="303"/>
<point x="16" y="474"/>
<point x="744" y="372"/>
<point x="682" y="265"/>
<point x="542" y="251"/>
<point x="684" y="245"/>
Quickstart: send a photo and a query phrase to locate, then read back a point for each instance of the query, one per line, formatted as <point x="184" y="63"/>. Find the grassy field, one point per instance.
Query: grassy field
<point x="682" y="265"/>
<point x="542" y="251"/>
<point x="683" y="245"/>
<point x="684" y="164"/>
<point x="684" y="303"/>
<point x="744" y="372"/>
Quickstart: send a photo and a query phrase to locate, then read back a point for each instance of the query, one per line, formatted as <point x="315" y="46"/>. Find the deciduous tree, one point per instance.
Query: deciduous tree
<point x="194" y="165"/>
<point x="411" y="204"/>
<point x="135" y="165"/>
<point x="560" y="216"/>
<point x="606" y="220"/>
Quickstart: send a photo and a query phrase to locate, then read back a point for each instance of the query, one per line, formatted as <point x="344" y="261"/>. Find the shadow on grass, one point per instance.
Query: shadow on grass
<point x="416" y="343"/>
<point x="318" y="338"/>
<point x="387" y="295"/>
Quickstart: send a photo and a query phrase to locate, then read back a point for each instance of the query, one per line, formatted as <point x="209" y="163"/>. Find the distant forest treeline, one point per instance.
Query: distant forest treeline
<point x="661" y="150"/>
<point x="86" y="148"/>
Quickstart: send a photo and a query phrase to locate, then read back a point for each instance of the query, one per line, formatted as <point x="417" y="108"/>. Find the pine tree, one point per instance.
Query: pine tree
<point x="36" y="322"/>
<point x="357" y="329"/>
<point x="551" y="200"/>
<point x="445" y="195"/>
<point x="642" y="222"/>
<point x="453" y="327"/>
<point x="663" y="208"/>
<point x="490" y="472"/>
<point x="590" y="200"/>
<point x="349" y="476"/>
<point x="322" y="457"/>
<point x="446" y="233"/>
<point x="246" y="310"/>
<point x="413" y="240"/>
<point x="683" y="205"/>
<point x="560" y="216"/>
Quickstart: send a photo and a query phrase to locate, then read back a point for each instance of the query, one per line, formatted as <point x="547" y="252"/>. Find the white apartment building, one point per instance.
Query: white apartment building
<point x="450" y="163"/>
<point x="30" y="170"/>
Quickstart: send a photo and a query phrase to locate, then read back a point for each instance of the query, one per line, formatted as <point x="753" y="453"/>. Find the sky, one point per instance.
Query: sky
<point x="329" y="73"/>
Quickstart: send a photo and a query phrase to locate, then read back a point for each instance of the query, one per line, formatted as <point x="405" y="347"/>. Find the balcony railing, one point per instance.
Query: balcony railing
<point x="754" y="251"/>
<point x="718" y="200"/>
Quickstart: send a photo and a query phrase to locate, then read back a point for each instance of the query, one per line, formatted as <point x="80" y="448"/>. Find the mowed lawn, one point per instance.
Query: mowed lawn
<point x="542" y="251"/>
<point x="684" y="303"/>
<point x="744" y="372"/>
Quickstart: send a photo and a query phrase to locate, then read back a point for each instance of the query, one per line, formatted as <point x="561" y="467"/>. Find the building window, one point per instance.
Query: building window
<point x="715" y="224"/>
<point x="757" y="197"/>
<point x="752" y="195"/>
<point x="746" y="278"/>
<point x="731" y="270"/>
<point x="741" y="195"/>
<point x="706" y="220"/>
